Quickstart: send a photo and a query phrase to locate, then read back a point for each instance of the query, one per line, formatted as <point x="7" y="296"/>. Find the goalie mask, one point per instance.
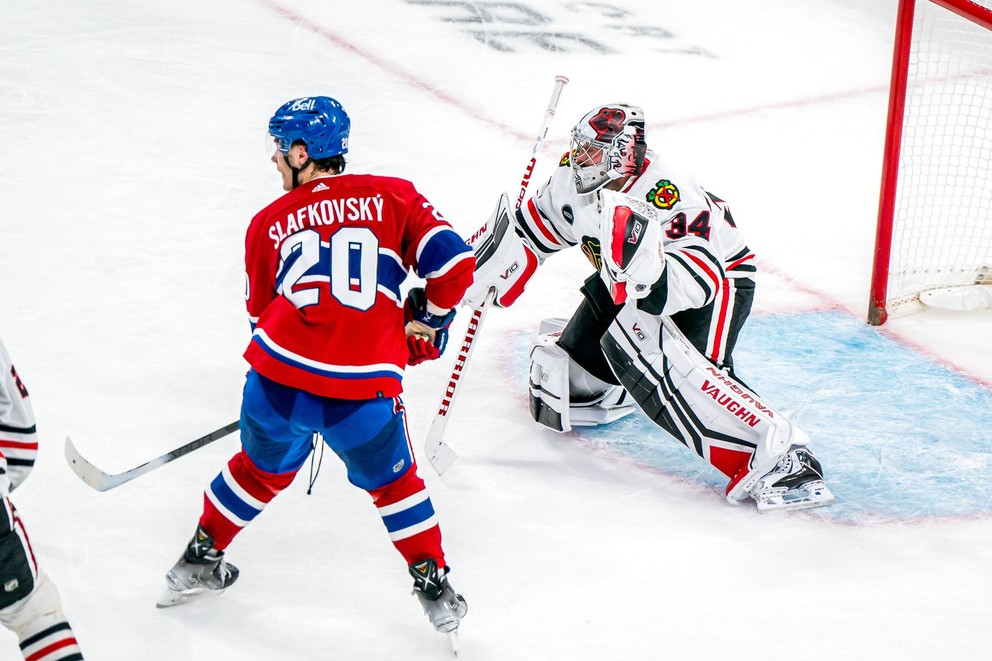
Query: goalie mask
<point x="607" y="144"/>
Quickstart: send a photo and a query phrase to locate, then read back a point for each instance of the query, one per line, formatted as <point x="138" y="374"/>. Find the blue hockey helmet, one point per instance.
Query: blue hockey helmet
<point x="318" y="121"/>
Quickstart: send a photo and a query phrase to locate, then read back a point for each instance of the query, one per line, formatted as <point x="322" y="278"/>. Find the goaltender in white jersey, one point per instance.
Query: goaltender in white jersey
<point x="659" y="318"/>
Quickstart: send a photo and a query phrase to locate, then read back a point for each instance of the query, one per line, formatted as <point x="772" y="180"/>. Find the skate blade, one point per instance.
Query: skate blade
<point x="172" y="598"/>
<point x="819" y="497"/>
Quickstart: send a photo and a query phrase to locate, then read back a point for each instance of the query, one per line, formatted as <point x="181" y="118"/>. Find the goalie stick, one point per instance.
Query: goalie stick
<point x="102" y="481"/>
<point x="439" y="454"/>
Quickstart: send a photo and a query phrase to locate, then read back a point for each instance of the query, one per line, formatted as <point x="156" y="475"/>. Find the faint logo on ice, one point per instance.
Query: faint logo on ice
<point x="564" y="26"/>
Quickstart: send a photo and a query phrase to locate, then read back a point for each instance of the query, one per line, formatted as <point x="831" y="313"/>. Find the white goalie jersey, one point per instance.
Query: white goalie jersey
<point x="702" y="245"/>
<point x="663" y="246"/>
<point x="18" y="435"/>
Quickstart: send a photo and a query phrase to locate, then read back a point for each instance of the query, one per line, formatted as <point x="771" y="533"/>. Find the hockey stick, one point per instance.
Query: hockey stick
<point x="439" y="454"/>
<point x="101" y="481"/>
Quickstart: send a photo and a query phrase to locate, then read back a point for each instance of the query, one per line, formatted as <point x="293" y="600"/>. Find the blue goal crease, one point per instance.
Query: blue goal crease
<point x="901" y="437"/>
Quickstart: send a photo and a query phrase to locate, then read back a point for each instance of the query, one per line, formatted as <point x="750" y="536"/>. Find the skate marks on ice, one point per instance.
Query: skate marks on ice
<point x="901" y="436"/>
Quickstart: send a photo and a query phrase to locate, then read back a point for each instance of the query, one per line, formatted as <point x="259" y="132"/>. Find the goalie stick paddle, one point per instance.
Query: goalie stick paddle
<point x="439" y="454"/>
<point x="102" y="481"/>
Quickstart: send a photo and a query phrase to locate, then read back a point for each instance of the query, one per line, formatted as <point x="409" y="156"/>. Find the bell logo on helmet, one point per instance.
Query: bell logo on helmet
<point x="303" y="104"/>
<point x="608" y="123"/>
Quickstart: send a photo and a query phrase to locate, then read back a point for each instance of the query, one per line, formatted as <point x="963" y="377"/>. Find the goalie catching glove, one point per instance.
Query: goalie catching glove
<point x="426" y="327"/>
<point x="632" y="246"/>
<point x="503" y="261"/>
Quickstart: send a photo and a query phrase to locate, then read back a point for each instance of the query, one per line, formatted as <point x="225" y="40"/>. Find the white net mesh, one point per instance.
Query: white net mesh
<point x="942" y="231"/>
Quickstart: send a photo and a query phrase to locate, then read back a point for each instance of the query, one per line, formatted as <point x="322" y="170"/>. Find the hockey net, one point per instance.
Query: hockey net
<point x="934" y="237"/>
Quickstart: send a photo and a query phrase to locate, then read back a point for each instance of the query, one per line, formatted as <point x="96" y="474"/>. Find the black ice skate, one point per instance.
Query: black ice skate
<point x="444" y="607"/>
<point x="795" y="483"/>
<point x="200" y="571"/>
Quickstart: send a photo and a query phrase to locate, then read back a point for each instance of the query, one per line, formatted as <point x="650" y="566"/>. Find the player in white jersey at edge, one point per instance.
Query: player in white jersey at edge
<point x="30" y="605"/>
<point x="659" y="318"/>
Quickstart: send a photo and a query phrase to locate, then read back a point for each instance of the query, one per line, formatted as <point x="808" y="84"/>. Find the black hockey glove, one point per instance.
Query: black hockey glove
<point x="424" y="346"/>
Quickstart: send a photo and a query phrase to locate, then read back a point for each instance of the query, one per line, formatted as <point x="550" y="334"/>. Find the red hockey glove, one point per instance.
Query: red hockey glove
<point x="421" y="350"/>
<point x="426" y="333"/>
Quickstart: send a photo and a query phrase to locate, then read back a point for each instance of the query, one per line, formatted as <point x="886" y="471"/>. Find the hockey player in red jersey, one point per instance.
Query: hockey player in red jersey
<point x="657" y="326"/>
<point x="331" y="338"/>
<point x="30" y="605"/>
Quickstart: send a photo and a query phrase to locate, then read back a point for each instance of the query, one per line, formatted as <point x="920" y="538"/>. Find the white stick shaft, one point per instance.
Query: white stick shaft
<point x="440" y="456"/>
<point x="542" y="133"/>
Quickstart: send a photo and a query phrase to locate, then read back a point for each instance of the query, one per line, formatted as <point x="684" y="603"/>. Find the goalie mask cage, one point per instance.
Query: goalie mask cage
<point x="935" y="208"/>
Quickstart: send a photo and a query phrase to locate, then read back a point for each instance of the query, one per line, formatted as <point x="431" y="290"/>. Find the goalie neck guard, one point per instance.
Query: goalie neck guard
<point x="607" y="144"/>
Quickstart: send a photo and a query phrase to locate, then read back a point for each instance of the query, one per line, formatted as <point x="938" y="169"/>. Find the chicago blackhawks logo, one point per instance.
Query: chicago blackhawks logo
<point x="565" y="159"/>
<point x="607" y="123"/>
<point x="664" y="195"/>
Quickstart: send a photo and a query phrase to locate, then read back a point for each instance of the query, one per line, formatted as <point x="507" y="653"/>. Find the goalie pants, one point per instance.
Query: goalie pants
<point x="712" y="329"/>
<point x="278" y="427"/>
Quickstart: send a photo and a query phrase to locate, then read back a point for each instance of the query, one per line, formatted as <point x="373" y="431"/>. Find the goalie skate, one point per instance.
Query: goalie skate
<point x="795" y="483"/>
<point x="200" y="571"/>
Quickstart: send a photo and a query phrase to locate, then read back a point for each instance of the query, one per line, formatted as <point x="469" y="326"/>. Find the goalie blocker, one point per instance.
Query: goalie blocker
<point x="764" y="455"/>
<point x="503" y="261"/>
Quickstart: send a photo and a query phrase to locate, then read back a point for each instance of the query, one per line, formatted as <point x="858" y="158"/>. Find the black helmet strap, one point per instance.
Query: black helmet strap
<point x="296" y="171"/>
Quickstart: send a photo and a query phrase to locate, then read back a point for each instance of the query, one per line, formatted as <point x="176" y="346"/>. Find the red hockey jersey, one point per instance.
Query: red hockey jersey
<point x="324" y="265"/>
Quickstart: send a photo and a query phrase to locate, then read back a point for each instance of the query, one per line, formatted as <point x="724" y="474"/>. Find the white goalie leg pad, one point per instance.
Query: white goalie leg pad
<point x="562" y="394"/>
<point x="709" y="411"/>
<point x="549" y="383"/>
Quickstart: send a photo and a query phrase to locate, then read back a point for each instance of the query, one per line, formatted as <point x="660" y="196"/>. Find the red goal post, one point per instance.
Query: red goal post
<point x="933" y="242"/>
